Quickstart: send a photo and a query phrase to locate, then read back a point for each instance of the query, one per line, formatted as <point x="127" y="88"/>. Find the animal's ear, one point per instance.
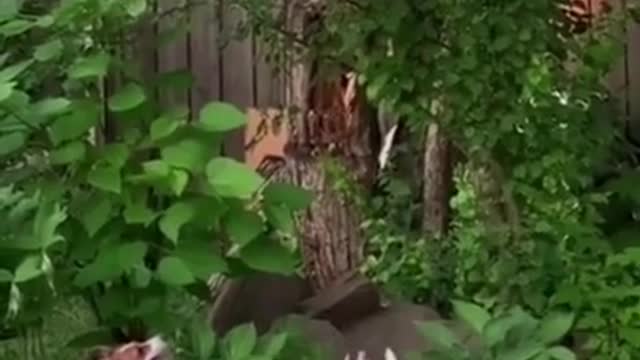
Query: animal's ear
<point x="99" y="353"/>
<point x="389" y="354"/>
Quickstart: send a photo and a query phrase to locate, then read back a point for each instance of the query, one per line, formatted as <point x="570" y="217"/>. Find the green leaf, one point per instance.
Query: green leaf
<point x="30" y="268"/>
<point x="561" y="353"/>
<point x="173" y="271"/>
<point x="49" y="50"/>
<point x="269" y="256"/>
<point x="555" y="325"/>
<point x="12" y="142"/>
<point x="6" y="90"/>
<point x="243" y="226"/>
<point x="141" y="277"/>
<point x="68" y="153"/>
<point x="136" y="8"/>
<point x="51" y="106"/>
<point x="154" y="172"/>
<point x="241" y="341"/>
<point x="274" y="345"/>
<point x="10" y="72"/>
<point x="6" y="276"/>
<point x="201" y="258"/>
<point x="111" y="262"/>
<point x="630" y="334"/>
<point x="221" y="117"/>
<point x="15" y="27"/>
<point x="174" y="218"/>
<point x="128" y="97"/>
<point x="526" y="351"/>
<point x="115" y="154"/>
<point x="45" y="21"/>
<point x="130" y="255"/>
<point x="230" y="178"/>
<point x="291" y="196"/>
<point x="163" y="126"/>
<point x="105" y="177"/>
<point x="137" y="210"/>
<point x="9" y="9"/>
<point x="280" y="217"/>
<point x="48" y="217"/>
<point x="496" y="329"/>
<point x="439" y="335"/>
<point x="204" y="339"/>
<point x="472" y="314"/>
<point x="95" y="213"/>
<point x="95" y="65"/>
<point x="187" y="154"/>
<point x="84" y="115"/>
<point x="178" y="181"/>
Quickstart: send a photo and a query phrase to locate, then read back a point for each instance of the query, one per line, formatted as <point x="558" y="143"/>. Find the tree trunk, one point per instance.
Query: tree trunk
<point x="437" y="182"/>
<point x="329" y="121"/>
<point x="333" y="133"/>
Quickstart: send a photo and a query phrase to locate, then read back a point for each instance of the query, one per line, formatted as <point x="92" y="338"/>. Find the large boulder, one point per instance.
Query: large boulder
<point x="320" y="334"/>
<point x="345" y="318"/>
<point x="393" y="327"/>
<point x="259" y="299"/>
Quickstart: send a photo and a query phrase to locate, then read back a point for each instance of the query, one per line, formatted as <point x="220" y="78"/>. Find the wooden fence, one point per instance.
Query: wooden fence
<point x="232" y="71"/>
<point x="238" y="72"/>
<point x="624" y="80"/>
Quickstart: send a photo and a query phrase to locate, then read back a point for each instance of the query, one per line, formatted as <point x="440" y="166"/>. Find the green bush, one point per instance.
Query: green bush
<point x="131" y="221"/>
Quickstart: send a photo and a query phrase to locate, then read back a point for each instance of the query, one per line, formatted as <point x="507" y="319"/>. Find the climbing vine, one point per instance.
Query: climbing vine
<point x="522" y="97"/>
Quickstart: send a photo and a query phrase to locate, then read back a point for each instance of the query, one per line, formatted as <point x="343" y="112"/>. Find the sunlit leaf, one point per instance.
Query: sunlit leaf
<point x="128" y="97"/>
<point x="174" y="218"/>
<point x="173" y="271"/>
<point x="12" y="142"/>
<point x="243" y="226"/>
<point x="68" y="153"/>
<point x="29" y="268"/>
<point x="105" y="177"/>
<point x="92" y="66"/>
<point x="241" y="341"/>
<point x="231" y="178"/>
<point x="221" y="117"/>
<point x="48" y="50"/>
<point x="269" y="256"/>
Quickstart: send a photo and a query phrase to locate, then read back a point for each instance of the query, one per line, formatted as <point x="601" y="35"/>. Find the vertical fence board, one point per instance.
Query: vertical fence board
<point x="237" y="75"/>
<point x="174" y="55"/>
<point x="617" y="79"/>
<point x="268" y="82"/>
<point x="634" y="78"/>
<point x="205" y="56"/>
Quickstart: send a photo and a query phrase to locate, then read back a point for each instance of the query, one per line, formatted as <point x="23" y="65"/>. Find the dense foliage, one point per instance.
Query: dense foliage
<point x="525" y="102"/>
<point x="130" y="220"/>
<point x="133" y="219"/>
<point x="515" y="334"/>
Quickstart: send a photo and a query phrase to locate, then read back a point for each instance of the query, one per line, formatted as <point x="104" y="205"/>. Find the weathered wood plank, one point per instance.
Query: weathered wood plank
<point x="633" y="75"/>
<point x="237" y="74"/>
<point x="173" y="51"/>
<point x="205" y="55"/>
<point x="268" y="81"/>
<point x="617" y="79"/>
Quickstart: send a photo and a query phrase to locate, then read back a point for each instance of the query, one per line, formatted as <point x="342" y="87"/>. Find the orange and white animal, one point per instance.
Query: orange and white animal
<point x="153" y="349"/>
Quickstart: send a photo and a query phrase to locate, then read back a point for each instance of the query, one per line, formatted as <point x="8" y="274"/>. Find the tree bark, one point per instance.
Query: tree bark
<point x="437" y="182"/>
<point x="335" y="128"/>
<point x="329" y="120"/>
